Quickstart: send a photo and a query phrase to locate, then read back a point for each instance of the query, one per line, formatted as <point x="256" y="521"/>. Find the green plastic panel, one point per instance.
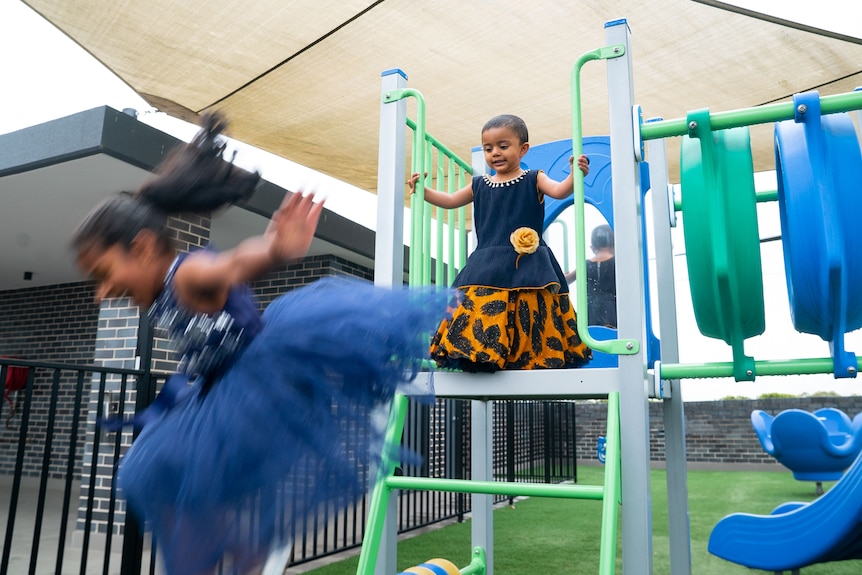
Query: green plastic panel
<point x="722" y="242"/>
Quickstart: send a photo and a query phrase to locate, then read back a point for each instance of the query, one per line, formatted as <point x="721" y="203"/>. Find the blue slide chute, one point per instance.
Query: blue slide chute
<point x="797" y="535"/>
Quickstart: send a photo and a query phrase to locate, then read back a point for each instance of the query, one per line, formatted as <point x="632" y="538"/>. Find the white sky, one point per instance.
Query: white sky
<point x="838" y="16"/>
<point x="46" y="76"/>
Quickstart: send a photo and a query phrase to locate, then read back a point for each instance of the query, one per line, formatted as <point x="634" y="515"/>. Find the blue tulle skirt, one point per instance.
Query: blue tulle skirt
<point x="294" y="424"/>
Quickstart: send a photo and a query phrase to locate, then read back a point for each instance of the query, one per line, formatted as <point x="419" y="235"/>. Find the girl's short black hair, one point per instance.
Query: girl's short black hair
<point x="514" y="123"/>
<point x="602" y="237"/>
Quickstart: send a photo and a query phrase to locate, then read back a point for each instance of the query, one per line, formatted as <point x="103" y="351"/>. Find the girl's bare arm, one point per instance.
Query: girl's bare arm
<point x="561" y="190"/>
<point x="203" y="280"/>
<point x="440" y="199"/>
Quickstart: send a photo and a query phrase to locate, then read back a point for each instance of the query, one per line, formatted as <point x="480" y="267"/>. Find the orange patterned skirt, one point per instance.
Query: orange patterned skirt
<point x="494" y="329"/>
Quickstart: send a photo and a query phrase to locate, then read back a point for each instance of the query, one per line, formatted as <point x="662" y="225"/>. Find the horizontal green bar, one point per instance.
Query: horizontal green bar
<point x="749" y="116"/>
<point x="765" y="196"/>
<point x="562" y="491"/>
<point x="805" y="366"/>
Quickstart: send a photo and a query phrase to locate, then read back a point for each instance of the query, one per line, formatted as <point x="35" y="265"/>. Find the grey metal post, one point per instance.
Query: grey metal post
<point x="482" y="440"/>
<point x="481" y="462"/>
<point x="672" y="405"/>
<point x="391" y="156"/>
<point x="389" y="250"/>
<point x="634" y="408"/>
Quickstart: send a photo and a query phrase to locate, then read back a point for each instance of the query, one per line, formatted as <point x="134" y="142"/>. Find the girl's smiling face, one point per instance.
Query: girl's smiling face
<point x="503" y="151"/>
<point x="122" y="272"/>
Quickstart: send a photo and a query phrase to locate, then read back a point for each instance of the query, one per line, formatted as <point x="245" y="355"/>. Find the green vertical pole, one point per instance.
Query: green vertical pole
<point x="612" y="488"/>
<point x="451" y="221"/>
<point x="462" y="227"/>
<point x="441" y="217"/>
<point x="417" y="201"/>
<point x="426" y="221"/>
<point x="380" y="494"/>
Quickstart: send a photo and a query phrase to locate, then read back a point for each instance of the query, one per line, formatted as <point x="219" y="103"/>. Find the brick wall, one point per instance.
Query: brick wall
<point x="52" y="324"/>
<point x="717" y="432"/>
<point x="60" y="324"/>
<point x="117" y="347"/>
<point x="307" y="271"/>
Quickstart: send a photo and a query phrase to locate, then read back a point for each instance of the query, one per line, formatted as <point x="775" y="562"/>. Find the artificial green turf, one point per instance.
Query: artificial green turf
<point x="562" y="536"/>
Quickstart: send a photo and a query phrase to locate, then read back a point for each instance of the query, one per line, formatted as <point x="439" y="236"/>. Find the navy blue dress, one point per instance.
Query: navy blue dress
<point x="515" y="311"/>
<point x="498" y="210"/>
<point x="278" y="415"/>
<point x="602" y="292"/>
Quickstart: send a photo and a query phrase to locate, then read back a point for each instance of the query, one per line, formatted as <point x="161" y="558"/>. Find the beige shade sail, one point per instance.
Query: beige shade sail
<point x="301" y="78"/>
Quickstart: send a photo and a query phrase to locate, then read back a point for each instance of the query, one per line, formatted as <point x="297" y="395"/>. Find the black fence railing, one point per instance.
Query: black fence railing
<point x="63" y="512"/>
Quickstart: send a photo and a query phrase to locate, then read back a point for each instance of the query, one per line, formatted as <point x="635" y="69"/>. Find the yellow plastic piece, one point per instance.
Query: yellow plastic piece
<point x="447" y="565"/>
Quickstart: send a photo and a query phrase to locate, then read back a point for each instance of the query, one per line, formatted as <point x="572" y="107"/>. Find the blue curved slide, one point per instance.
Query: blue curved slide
<point x="797" y="535"/>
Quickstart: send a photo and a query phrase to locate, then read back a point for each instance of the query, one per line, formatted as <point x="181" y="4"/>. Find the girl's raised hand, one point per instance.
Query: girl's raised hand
<point x="583" y="163"/>
<point x="292" y="227"/>
<point x="411" y="183"/>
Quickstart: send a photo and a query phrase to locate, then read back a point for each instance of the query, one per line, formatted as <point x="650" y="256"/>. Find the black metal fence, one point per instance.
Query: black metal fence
<point x="64" y="513"/>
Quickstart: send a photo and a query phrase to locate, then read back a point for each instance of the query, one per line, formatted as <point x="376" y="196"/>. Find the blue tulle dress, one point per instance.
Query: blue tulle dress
<point x="270" y="417"/>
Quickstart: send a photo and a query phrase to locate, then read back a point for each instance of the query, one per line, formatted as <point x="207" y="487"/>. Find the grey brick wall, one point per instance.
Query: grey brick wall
<point x="55" y="324"/>
<point x="117" y="346"/>
<point x="305" y="272"/>
<point x="717" y="432"/>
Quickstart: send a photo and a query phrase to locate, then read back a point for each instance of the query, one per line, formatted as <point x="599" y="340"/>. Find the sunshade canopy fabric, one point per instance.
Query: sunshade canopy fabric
<point x="301" y="79"/>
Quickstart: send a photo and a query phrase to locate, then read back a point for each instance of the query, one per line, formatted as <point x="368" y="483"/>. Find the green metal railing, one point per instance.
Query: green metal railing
<point x="613" y="346"/>
<point x="449" y="173"/>
<point x="609" y="493"/>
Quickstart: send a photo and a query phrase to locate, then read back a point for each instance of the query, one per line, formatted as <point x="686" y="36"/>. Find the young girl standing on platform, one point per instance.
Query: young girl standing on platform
<point x="270" y="418"/>
<point x="514" y="310"/>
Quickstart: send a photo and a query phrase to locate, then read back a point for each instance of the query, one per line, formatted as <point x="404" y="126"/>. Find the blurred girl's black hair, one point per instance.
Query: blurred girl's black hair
<point x="192" y="178"/>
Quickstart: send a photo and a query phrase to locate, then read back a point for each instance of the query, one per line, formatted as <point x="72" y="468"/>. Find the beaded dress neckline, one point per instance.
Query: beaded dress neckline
<point x="511" y="182"/>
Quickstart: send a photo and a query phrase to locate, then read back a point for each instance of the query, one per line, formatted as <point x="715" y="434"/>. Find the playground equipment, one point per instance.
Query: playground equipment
<point x="796" y="535"/>
<point x="716" y="167"/>
<point x="817" y="446"/>
<point x="446" y="567"/>
<point x="623" y="385"/>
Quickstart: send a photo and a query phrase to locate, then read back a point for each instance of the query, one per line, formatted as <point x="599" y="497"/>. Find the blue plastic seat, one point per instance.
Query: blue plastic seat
<point x="817" y="446"/>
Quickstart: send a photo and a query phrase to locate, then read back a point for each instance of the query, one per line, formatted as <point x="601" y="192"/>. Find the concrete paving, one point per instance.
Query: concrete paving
<point x="48" y="546"/>
<point x="71" y="559"/>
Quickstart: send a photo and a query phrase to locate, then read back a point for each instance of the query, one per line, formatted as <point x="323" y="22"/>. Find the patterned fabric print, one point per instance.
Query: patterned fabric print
<point x="497" y="329"/>
<point x="206" y="343"/>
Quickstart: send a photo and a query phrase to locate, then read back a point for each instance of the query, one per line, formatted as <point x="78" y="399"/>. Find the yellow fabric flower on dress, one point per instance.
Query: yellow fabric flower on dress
<point x="525" y="241"/>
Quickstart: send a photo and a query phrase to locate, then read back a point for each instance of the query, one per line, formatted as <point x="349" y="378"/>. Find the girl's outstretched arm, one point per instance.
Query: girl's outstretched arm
<point x="561" y="190"/>
<point x="203" y="281"/>
<point x="440" y="199"/>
